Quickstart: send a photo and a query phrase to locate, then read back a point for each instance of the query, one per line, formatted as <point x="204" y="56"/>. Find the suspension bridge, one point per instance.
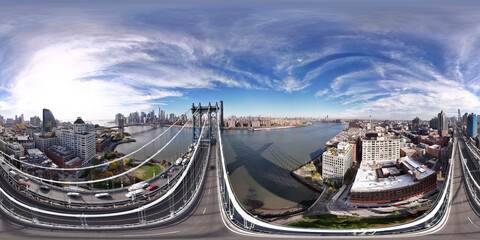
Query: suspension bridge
<point x="201" y="203"/>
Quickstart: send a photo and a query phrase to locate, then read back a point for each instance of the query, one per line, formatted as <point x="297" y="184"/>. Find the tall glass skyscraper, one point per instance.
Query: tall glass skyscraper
<point x="48" y="121"/>
<point x="472" y="125"/>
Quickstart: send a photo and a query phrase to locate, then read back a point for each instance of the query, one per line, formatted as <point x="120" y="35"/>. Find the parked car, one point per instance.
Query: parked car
<point x="151" y="187"/>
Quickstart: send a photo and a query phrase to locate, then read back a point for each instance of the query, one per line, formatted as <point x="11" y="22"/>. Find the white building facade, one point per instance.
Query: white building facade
<point x="336" y="162"/>
<point x="380" y="148"/>
<point x="81" y="142"/>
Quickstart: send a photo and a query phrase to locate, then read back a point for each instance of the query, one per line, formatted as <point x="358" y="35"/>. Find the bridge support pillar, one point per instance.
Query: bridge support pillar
<point x="211" y="117"/>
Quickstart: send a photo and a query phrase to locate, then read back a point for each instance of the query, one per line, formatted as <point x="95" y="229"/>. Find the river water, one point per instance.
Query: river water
<point x="259" y="163"/>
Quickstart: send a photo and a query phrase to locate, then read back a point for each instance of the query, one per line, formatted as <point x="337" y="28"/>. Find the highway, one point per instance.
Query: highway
<point x="205" y="221"/>
<point x="158" y="211"/>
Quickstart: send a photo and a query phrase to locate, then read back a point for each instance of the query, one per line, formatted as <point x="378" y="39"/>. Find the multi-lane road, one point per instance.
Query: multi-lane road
<point x="206" y="220"/>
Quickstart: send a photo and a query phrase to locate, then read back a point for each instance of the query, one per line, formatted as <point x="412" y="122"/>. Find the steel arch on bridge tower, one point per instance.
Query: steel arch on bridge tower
<point x="211" y="116"/>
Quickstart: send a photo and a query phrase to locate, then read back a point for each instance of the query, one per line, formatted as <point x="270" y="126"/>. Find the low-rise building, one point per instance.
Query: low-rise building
<point x="391" y="181"/>
<point x="102" y="143"/>
<point x="44" y="141"/>
<point x="60" y="156"/>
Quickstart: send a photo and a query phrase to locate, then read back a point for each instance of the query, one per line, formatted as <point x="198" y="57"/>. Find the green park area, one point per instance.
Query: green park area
<point x="147" y="172"/>
<point x="329" y="221"/>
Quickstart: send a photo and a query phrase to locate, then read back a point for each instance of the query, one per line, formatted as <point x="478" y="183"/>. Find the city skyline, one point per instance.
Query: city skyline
<point x="311" y="61"/>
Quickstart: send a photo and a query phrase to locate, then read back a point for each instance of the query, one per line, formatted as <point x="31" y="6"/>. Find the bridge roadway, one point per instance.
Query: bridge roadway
<point x="206" y="221"/>
<point x="159" y="211"/>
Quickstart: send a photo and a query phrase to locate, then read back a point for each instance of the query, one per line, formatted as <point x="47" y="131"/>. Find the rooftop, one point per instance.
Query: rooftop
<point x="367" y="180"/>
<point x="79" y="121"/>
<point x="59" y="150"/>
<point x="341" y="150"/>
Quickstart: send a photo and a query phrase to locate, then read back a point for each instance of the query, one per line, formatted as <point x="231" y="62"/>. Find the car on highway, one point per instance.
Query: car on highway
<point x="45" y="188"/>
<point x="102" y="195"/>
<point x="134" y="193"/>
<point x="151" y="187"/>
<point x="25" y="183"/>
<point x="73" y="194"/>
<point x="172" y="169"/>
<point x="13" y="173"/>
<point x="140" y="185"/>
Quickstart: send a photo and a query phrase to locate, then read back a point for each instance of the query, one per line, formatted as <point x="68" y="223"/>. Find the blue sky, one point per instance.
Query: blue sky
<point x="338" y="58"/>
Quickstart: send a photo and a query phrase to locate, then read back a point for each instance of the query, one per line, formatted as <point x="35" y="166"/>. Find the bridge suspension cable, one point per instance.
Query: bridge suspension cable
<point x="103" y="179"/>
<point x="135" y="210"/>
<point x="97" y="165"/>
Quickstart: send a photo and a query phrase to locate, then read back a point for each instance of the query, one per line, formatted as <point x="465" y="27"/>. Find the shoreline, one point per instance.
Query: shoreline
<point x="264" y="128"/>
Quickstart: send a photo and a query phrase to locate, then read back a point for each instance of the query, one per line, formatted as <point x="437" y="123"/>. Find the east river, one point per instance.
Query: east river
<point x="259" y="163"/>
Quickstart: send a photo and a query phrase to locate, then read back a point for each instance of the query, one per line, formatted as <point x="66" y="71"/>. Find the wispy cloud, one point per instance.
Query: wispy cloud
<point x="94" y="62"/>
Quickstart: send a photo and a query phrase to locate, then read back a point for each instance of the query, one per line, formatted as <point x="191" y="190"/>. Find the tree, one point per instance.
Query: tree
<point x="112" y="166"/>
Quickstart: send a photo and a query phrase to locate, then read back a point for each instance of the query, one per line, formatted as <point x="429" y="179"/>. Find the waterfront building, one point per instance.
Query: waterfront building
<point x="102" y="143"/>
<point x="49" y="121"/>
<point x="336" y="162"/>
<point x="378" y="148"/>
<point x="162" y="116"/>
<point x="391" y="181"/>
<point x="256" y="124"/>
<point x="119" y="118"/>
<point x="81" y="142"/>
<point x="472" y="125"/>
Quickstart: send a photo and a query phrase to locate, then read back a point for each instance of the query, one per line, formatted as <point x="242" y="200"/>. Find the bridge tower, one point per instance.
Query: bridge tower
<point x="210" y="113"/>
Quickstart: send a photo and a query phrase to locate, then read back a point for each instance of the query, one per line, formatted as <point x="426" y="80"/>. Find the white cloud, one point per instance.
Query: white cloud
<point x="322" y="92"/>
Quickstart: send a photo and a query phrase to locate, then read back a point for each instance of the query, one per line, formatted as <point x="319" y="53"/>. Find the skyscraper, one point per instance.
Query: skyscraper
<point x="459" y="116"/>
<point x="472" y="125"/>
<point x="416" y="123"/>
<point x="442" y="124"/>
<point x="48" y="121"/>
<point x="81" y="142"/>
<point x="118" y="118"/>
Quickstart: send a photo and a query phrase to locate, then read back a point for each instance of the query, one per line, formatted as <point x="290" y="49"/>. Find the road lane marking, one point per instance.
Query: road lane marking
<point x="204" y="210"/>
<point x="151" y="234"/>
